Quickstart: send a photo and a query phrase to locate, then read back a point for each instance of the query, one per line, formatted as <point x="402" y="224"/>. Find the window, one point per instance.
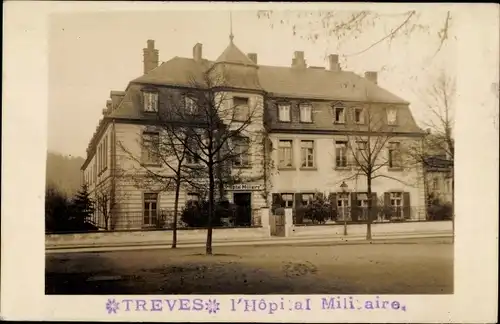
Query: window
<point x="362" y="153"/>
<point x="150" y="101"/>
<point x="396" y="203"/>
<point x="307" y="153"/>
<point x="95" y="172"/>
<point x="193" y="196"/>
<point x="448" y="185"/>
<point x="150" y="209"/>
<point x="190" y="105"/>
<point x="362" y="204"/>
<point x="394" y="155"/>
<point x="99" y="158"/>
<point x="241" y="109"/>
<point x="359" y="116"/>
<point x="343" y="206"/>
<point x="392" y="116"/>
<point x="241" y="148"/>
<point x="287" y="200"/>
<point x="150" y="148"/>
<point x="106" y="153"/>
<point x="341" y="154"/>
<point x="435" y="184"/>
<point x="285" y="153"/>
<point x="307" y="198"/>
<point x="339" y="115"/>
<point x="192" y="158"/>
<point x="305" y="113"/>
<point x="284" y="112"/>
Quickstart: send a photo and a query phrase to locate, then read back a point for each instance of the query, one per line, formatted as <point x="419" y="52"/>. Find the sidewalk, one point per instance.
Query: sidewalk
<point x="350" y="239"/>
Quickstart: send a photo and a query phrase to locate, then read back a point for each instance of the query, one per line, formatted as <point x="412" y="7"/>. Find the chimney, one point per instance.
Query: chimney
<point x="371" y="76"/>
<point x="428" y="130"/>
<point x="333" y="61"/>
<point x="253" y="57"/>
<point x="298" y="61"/>
<point x="197" y="52"/>
<point x="116" y="98"/>
<point x="150" y="57"/>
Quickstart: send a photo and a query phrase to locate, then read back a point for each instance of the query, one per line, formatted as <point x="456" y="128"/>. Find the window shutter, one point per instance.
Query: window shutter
<point x="355" y="212"/>
<point x="276" y="201"/>
<point x="298" y="200"/>
<point x="374" y="202"/>
<point x="332" y="197"/>
<point x="387" y="205"/>
<point x="406" y="205"/>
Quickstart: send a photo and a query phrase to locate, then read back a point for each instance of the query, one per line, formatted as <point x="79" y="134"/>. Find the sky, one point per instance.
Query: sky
<point x="92" y="53"/>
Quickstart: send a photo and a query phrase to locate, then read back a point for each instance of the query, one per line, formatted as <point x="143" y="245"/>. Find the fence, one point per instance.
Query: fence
<point x="164" y="220"/>
<point x="326" y="215"/>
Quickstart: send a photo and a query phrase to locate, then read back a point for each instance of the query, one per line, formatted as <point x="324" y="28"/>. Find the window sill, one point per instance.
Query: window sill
<point x="284" y="121"/>
<point x="242" y="166"/>
<point x="395" y="169"/>
<point x="286" y="168"/>
<point x="338" y="123"/>
<point x="151" y="164"/>
<point x="343" y="168"/>
<point x="308" y="169"/>
<point x="306" y="122"/>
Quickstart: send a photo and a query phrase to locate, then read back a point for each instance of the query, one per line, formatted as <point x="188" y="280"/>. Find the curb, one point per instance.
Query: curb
<point x="355" y="239"/>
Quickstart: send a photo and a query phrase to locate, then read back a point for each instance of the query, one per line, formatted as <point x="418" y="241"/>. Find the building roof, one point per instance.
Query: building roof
<point x="307" y="83"/>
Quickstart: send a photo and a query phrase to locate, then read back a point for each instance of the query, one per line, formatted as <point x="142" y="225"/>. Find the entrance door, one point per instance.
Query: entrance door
<point x="243" y="202"/>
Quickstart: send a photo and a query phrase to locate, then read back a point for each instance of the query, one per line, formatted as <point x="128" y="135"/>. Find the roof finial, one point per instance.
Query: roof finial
<point x="231" y="36"/>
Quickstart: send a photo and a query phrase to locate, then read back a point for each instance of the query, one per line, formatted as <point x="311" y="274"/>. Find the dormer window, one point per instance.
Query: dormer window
<point x="392" y="116"/>
<point x="305" y="113"/>
<point x="150" y="101"/>
<point x="284" y="112"/>
<point x="359" y="116"/>
<point x="339" y="115"/>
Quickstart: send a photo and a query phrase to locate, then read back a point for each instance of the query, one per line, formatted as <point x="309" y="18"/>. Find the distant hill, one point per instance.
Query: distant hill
<point x="64" y="172"/>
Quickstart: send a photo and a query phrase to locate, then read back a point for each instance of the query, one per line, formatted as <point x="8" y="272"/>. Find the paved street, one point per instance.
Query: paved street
<point x="391" y="267"/>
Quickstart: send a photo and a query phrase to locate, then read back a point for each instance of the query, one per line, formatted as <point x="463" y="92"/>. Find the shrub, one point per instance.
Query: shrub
<point x="438" y="210"/>
<point x="195" y="214"/>
<point x="319" y="209"/>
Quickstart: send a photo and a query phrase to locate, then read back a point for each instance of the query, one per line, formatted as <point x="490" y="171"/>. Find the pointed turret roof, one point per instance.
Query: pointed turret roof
<point x="233" y="54"/>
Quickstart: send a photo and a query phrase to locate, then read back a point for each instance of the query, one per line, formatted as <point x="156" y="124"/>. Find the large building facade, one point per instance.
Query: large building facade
<point x="301" y="142"/>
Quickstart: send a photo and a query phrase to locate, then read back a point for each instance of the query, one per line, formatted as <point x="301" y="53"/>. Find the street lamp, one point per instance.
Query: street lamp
<point x="343" y="188"/>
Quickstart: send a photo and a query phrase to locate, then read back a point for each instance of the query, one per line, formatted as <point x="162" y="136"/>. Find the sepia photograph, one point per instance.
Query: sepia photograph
<point x="311" y="153"/>
<point x="255" y="162"/>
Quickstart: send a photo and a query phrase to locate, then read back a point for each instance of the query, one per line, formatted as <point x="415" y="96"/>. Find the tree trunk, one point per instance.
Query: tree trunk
<point x="211" y="189"/>
<point x="370" y="204"/>
<point x="176" y="210"/>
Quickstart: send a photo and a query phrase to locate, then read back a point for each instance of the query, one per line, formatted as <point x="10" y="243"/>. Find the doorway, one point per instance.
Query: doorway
<point x="243" y="204"/>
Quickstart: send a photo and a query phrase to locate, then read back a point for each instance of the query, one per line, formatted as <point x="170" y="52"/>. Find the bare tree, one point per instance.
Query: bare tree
<point x="345" y="25"/>
<point x="373" y="148"/>
<point x="439" y="99"/>
<point x="205" y="139"/>
<point x="104" y="204"/>
<point x="106" y="200"/>
<point x="160" y="147"/>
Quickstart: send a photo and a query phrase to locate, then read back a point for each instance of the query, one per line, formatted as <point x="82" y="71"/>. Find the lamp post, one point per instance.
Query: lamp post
<point x="343" y="188"/>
